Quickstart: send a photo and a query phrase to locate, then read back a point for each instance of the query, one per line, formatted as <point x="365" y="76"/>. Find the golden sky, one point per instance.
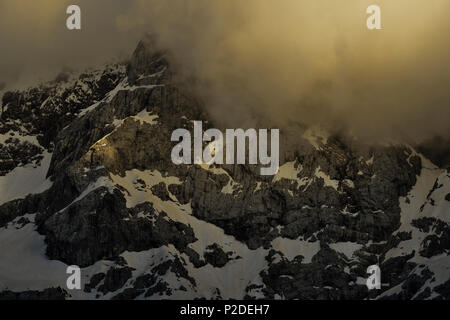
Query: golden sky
<point x="312" y="61"/>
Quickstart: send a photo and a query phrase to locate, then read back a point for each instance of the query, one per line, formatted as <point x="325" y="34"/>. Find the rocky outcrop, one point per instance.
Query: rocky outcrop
<point x="77" y="236"/>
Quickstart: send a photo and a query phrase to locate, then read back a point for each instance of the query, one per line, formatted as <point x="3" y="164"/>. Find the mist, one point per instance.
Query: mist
<point x="36" y="45"/>
<point x="263" y="62"/>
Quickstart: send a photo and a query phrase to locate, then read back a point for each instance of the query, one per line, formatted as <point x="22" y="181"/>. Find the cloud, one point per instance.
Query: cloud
<point x="312" y="62"/>
<point x="35" y="43"/>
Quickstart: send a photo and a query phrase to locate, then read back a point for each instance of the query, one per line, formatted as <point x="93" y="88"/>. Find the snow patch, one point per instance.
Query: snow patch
<point x="292" y="248"/>
<point x="25" y="180"/>
<point x="347" y="248"/>
<point x="146" y="117"/>
<point x="328" y="182"/>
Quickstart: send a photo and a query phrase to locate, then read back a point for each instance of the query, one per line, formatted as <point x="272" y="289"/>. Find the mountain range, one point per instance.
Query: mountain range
<point x="86" y="179"/>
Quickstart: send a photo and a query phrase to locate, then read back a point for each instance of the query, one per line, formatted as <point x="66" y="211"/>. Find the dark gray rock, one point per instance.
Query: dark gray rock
<point x="216" y="256"/>
<point x="100" y="226"/>
<point x="322" y="279"/>
<point x="444" y="290"/>
<point x="115" y="278"/>
<point x="94" y="282"/>
<point x="47" y="294"/>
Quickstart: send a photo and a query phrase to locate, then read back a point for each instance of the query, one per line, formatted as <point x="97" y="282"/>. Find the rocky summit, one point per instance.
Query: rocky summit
<point x="86" y="179"/>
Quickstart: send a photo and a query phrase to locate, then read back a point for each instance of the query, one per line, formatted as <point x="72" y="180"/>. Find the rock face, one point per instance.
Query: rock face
<point x="143" y="227"/>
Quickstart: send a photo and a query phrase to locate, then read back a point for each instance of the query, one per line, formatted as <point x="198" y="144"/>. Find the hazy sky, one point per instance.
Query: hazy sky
<point x="310" y="61"/>
<point x="36" y="43"/>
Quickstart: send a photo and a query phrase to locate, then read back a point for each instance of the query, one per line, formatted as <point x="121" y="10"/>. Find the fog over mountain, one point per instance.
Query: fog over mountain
<point x="311" y="61"/>
<point x="88" y="178"/>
